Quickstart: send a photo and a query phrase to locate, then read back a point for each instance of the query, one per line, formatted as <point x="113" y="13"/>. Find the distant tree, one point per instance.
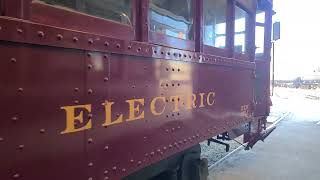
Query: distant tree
<point x="297" y="82"/>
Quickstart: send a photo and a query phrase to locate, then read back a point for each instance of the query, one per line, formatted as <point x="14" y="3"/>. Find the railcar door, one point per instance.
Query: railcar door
<point x="262" y="60"/>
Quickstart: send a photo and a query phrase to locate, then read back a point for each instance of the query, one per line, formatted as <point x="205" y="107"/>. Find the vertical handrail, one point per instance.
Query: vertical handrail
<point x="273" y="66"/>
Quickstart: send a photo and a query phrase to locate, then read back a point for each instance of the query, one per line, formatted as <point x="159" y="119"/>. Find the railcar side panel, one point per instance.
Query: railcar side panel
<point x="129" y="111"/>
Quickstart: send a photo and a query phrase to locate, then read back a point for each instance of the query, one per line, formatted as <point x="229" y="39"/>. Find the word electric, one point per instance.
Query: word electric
<point x="157" y="107"/>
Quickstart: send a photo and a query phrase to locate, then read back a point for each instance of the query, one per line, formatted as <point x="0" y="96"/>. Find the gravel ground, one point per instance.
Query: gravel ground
<point x="215" y="152"/>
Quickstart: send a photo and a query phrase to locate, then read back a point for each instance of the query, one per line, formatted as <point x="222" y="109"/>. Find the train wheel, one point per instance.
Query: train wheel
<point x="185" y="165"/>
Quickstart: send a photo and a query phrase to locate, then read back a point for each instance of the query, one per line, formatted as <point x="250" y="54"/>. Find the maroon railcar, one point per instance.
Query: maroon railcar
<point x="127" y="89"/>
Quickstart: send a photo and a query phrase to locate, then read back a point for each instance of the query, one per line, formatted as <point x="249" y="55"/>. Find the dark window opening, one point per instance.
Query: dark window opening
<point x="172" y="17"/>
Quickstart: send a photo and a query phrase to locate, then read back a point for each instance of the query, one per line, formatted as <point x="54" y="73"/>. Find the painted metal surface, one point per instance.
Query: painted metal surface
<point x="44" y="69"/>
<point x="36" y="81"/>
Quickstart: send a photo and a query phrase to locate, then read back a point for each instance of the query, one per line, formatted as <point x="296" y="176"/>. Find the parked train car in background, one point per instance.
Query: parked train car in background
<point x="127" y="89"/>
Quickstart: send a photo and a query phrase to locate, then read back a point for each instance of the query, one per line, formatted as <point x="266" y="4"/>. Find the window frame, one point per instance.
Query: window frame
<point x="165" y="40"/>
<point x="250" y="32"/>
<point x="259" y="24"/>
<point x="50" y="15"/>
<point x="225" y="52"/>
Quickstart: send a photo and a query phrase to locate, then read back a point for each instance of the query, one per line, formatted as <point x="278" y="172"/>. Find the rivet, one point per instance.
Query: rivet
<point x="21" y="146"/>
<point x="90" y="41"/>
<point x="164" y="148"/>
<point x="89" y="54"/>
<point x="132" y="161"/>
<point x="167" y="130"/>
<point x="90" y="116"/>
<point x="139" y="49"/>
<point x="19" y="31"/>
<point x="14" y="60"/>
<point x="114" y="168"/>
<point x="59" y="37"/>
<point x="159" y="150"/>
<point x="16" y="176"/>
<point x="118" y="45"/>
<point x="129" y="47"/>
<point x="105" y="79"/>
<point x="152" y="153"/>
<point x="90" y="178"/>
<point x="20" y="90"/>
<point x="90" y="140"/>
<point x="133" y="86"/>
<point x="106" y="43"/>
<point x="76" y="102"/>
<point x="185" y="140"/>
<point x="179" y="127"/>
<point x="76" y="89"/>
<point x="90" y="91"/>
<point x="139" y="163"/>
<point x="90" y="66"/>
<point x="123" y="170"/>
<point x="105" y="172"/>
<point x="41" y="34"/>
<point x="14" y="118"/>
<point x="172" y="129"/>
<point x="42" y="131"/>
<point x="1" y="139"/>
<point x="0" y="28"/>
<point x="106" y="178"/>
<point x="75" y="39"/>
<point x="90" y="164"/>
<point x="170" y="146"/>
<point x="106" y="148"/>
<point x="105" y="56"/>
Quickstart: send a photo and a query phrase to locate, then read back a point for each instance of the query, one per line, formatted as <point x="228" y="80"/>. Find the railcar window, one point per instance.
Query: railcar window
<point x="116" y="10"/>
<point x="259" y="41"/>
<point x="172" y="18"/>
<point x="260" y="16"/>
<point x="214" y="15"/>
<point x="240" y="36"/>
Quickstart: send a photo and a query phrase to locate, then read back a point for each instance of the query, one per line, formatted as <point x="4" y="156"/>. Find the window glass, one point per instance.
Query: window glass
<point x="172" y="18"/>
<point x="259" y="41"/>
<point x="240" y="36"/>
<point x="214" y="15"/>
<point x="260" y="16"/>
<point x="116" y="10"/>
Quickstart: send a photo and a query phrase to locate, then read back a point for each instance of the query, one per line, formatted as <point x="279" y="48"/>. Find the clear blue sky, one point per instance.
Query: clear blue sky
<point x="298" y="51"/>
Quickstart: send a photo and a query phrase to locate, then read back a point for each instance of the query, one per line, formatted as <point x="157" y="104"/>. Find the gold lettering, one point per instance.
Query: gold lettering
<point x="153" y="106"/>
<point x="135" y="109"/>
<point x="191" y="101"/>
<point x="213" y="98"/>
<point x="108" y="121"/>
<point x="176" y="100"/>
<point x="72" y="118"/>
<point x="201" y="100"/>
